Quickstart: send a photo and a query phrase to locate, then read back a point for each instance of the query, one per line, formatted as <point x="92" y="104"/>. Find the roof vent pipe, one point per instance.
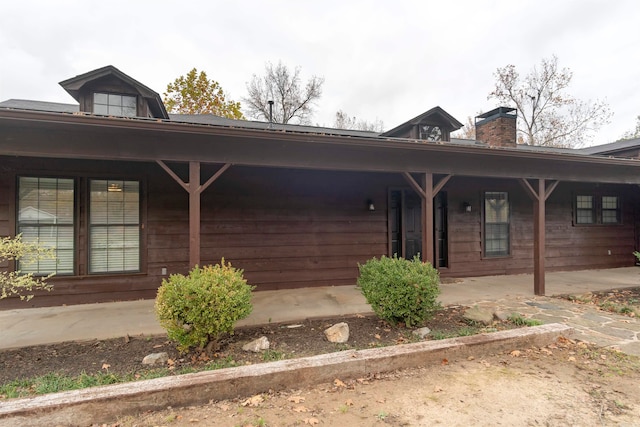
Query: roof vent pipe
<point x="270" y="111"/>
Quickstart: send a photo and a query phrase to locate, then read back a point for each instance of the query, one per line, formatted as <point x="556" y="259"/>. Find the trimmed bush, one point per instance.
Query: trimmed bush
<point x="399" y="290"/>
<point x="196" y="310"/>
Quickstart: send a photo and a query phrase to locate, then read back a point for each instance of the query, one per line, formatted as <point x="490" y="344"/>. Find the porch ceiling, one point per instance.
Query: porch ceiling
<point x="27" y="133"/>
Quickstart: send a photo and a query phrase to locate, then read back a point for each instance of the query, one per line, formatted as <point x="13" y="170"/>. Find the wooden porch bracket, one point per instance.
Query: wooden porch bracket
<point x="194" y="188"/>
<point x="539" y="196"/>
<point x="427" y="192"/>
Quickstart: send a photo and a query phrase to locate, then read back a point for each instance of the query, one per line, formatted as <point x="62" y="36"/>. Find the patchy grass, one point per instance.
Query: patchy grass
<point x="520" y="320"/>
<point x="55" y="382"/>
<point x="463" y="331"/>
<point x="624" y="301"/>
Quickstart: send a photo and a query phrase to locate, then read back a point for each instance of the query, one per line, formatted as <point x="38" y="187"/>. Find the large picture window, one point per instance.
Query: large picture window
<point x="114" y="226"/>
<point x="496" y="224"/>
<point x="46" y="216"/>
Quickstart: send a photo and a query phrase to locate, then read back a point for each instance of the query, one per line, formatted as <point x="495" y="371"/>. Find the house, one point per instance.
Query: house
<point x="138" y="194"/>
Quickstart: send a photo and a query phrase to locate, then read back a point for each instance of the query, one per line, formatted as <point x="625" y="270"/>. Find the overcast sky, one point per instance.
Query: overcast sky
<point x="389" y="60"/>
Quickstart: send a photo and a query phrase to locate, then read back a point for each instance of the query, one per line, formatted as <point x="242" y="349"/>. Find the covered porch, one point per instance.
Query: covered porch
<point x="190" y="169"/>
<point x="33" y="326"/>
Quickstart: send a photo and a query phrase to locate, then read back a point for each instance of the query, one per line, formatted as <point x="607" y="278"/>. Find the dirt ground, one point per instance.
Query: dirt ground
<point x="565" y="384"/>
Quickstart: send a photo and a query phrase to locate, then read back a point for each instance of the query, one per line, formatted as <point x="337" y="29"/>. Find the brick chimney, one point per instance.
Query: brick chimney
<point x="497" y="128"/>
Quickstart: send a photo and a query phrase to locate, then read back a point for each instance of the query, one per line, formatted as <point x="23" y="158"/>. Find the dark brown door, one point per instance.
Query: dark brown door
<point x="441" y="244"/>
<point x="405" y="225"/>
<point x="412" y="223"/>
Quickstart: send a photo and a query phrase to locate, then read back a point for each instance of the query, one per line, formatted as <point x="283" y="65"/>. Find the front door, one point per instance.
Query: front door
<point x="405" y="225"/>
<point x="441" y="249"/>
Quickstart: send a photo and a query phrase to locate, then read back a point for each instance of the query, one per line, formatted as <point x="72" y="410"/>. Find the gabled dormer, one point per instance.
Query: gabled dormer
<point x="434" y="125"/>
<point x="108" y="91"/>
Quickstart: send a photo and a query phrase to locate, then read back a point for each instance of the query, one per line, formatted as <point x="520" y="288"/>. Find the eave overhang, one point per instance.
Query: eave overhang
<point x="77" y="136"/>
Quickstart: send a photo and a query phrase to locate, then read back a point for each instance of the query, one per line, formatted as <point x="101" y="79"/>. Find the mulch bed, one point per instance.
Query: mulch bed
<point x="124" y="355"/>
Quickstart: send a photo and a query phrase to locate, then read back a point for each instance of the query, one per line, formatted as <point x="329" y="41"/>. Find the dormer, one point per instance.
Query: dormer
<point x="108" y="91"/>
<point x="434" y="125"/>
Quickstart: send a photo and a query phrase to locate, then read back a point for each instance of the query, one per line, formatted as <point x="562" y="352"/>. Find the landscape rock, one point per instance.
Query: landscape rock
<point x="422" y="332"/>
<point x="479" y="315"/>
<point x="257" y="345"/>
<point x="155" y="359"/>
<point x="338" y="333"/>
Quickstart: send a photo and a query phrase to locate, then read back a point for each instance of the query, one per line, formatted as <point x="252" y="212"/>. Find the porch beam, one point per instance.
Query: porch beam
<point x="173" y="175"/>
<point x="440" y="184"/>
<point x="414" y="184"/>
<point x="214" y="177"/>
<point x="195" y="189"/>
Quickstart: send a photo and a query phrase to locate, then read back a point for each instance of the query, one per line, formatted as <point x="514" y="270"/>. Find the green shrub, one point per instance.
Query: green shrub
<point x="196" y="310"/>
<point x="400" y="290"/>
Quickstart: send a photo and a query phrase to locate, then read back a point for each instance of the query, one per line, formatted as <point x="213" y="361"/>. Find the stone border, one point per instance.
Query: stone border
<point x="107" y="403"/>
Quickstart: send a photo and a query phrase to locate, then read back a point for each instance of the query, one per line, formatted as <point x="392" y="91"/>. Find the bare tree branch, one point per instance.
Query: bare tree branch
<point x="547" y="115"/>
<point x="280" y="85"/>
<point x="344" y="121"/>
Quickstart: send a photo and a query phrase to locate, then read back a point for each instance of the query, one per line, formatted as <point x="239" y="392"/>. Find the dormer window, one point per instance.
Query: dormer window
<point x="430" y="133"/>
<point x="114" y="105"/>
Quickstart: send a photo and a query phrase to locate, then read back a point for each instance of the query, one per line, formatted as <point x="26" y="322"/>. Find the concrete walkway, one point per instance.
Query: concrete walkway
<point x="508" y="293"/>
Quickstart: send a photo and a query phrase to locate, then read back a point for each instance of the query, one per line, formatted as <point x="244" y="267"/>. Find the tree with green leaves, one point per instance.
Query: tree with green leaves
<point x="194" y="93"/>
<point x="547" y="114"/>
<point x="281" y="95"/>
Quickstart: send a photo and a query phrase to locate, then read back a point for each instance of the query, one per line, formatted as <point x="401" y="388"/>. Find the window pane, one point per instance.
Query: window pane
<point x="115" y="110"/>
<point x="129" y="101"/>
<point x="496" y="227"/>
<point x="115" y="100"/>
<point x="100" y="98"/>
<point x="584" y="216"/>
<point x="610" y="217"/>
<point x="100" y="109"/>
<point x="584" y="202"/>
<point x="609" y="202"/>
<point x="45" y="215"/>
<point x="114" y="221"/>
<point x="129" y="111"/>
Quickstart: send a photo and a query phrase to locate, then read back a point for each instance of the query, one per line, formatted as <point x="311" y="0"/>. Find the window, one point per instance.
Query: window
<point x="610" y="210"/>
<point x="585" y="210"/>
<point x="598" y="209"/>
<point x="46" y="215"/>
<point x="114" y="223"/>
<point x="496" y="224"/>
<point x="115" y="105"/>
<point x="430" y="133"/>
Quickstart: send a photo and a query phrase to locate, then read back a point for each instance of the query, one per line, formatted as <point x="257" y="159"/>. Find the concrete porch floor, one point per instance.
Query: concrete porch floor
<point x="33" y="326"/>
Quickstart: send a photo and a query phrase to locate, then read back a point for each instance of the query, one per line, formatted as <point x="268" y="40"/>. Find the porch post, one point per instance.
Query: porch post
<point x="427" y="192"/>
<point x="539" y="196"/>
<point x="194" y="214"/>
<point x="539" y="236"/>
<point x="427" y="219"/>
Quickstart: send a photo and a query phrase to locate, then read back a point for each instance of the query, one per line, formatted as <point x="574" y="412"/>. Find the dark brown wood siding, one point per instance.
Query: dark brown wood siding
<point x="568" y="246"/>
<point x="295" y="228"/>
<point x="285" y="228"/>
